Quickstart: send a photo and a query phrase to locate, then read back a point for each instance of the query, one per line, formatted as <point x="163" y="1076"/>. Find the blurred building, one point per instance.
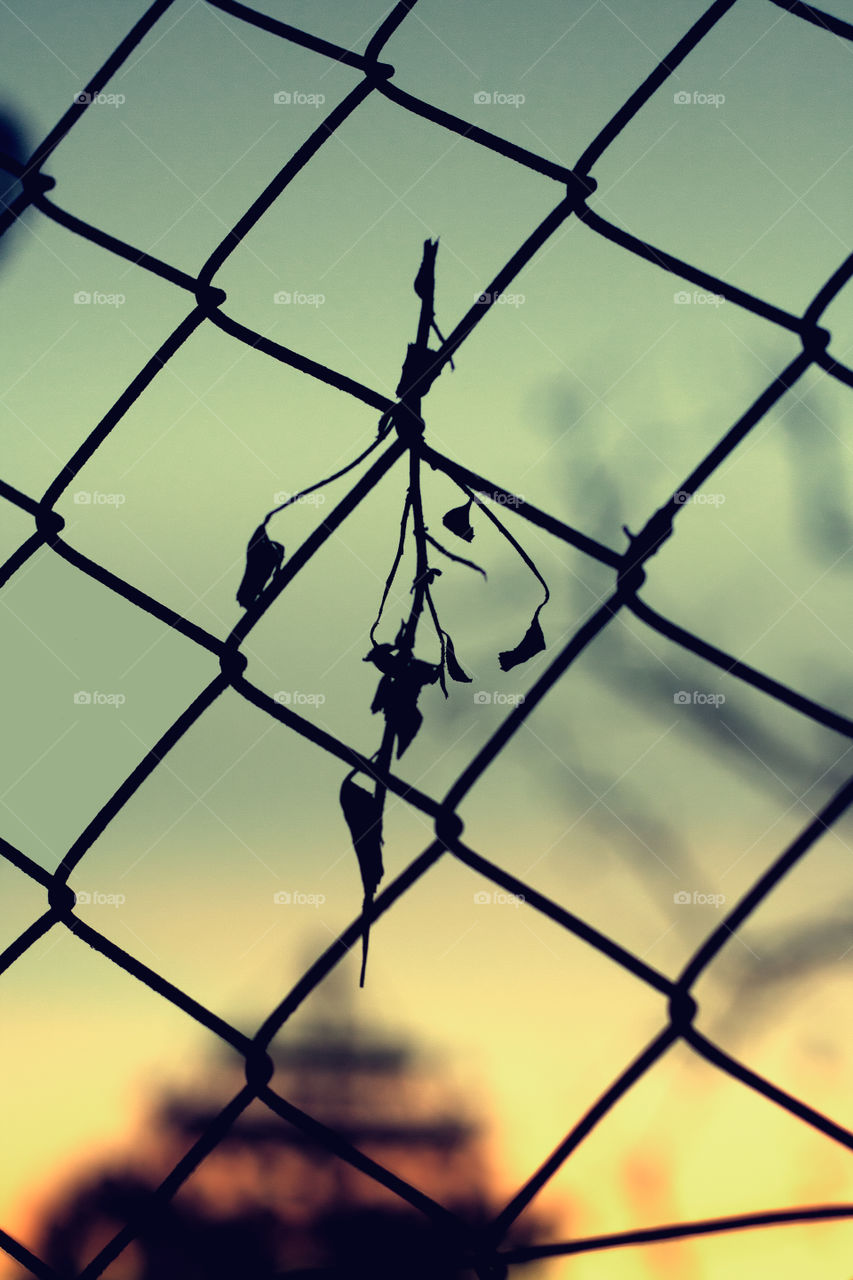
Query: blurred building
<point x="272" y="1201"/>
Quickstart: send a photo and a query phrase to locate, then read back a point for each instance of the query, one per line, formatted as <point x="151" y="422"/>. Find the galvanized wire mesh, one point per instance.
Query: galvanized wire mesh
<point x="481" y="1250"/>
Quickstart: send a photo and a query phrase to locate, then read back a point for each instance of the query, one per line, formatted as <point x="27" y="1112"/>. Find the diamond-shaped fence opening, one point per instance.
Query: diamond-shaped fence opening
<point x="234" y="659"/>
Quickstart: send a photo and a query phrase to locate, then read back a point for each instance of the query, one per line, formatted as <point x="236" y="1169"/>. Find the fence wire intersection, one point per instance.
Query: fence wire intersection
<point x="480" y="1250"/>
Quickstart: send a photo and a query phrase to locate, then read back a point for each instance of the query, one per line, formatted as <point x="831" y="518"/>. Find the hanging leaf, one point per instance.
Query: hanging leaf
<point x="364" y="818"/>
<point x="401" y="700"/>
<point x="452" y="663"/>
<point x="398" y="691"/>
<point x="382" y="656"/>
<point x="363" y="814"/>
<point x="532" y="643"/>
<point x="263" y="558"/>
<point x="405" y="719"/>
<point x="381" y="697"/>
<point x="458" y="521"/>
<point x="421" y="673"/>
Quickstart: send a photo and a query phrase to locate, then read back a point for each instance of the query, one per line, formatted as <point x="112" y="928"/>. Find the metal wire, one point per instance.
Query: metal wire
<point x="481" y="1251"/>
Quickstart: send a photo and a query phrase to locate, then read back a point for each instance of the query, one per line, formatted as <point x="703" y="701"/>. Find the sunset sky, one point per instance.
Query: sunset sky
<point x="591" y="389"/>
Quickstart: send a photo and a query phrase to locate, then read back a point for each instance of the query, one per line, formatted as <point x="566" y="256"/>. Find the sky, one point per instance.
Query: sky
<point x="591" y="389"/>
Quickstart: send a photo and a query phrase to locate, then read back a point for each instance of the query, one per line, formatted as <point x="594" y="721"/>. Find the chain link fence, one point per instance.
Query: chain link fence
<point x="481" y="1250"/>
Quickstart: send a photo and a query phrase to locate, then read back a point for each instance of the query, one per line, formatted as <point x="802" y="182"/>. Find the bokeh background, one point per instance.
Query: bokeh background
<point x="591" y="390"/>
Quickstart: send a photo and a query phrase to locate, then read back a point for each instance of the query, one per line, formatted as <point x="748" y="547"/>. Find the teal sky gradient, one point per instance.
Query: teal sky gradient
<point x="591" y="390"/>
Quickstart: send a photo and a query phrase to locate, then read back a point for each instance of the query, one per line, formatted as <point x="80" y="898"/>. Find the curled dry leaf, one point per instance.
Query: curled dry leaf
<point x="398" y="691"/>
<point x="263" y="559"/>
<point x="532" y="642"/>
<point x="363" y="814"/>
<point x="458" y="521"/>
<point x="454" y="670"/>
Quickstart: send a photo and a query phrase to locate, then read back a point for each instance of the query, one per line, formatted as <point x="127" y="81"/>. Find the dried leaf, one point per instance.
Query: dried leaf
<point x="452" y="663"/>
<point x="458" y="521"/>
<point x="382" y="656"/>
<point x="406" y="720"/>
<point x="384" y="692"/>
<point x="263" y="558"/>
<point x="532" y="643"/>
<point x="401" y="701"/>
<point x="363" y="814"/>
<point x="420" y="673"/>
<point x="364" y="818"/>
<point x="398" y="691"/>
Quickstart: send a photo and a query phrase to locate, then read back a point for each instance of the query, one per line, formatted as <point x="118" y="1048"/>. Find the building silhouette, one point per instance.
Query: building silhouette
<point x="270" y="1201"/>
